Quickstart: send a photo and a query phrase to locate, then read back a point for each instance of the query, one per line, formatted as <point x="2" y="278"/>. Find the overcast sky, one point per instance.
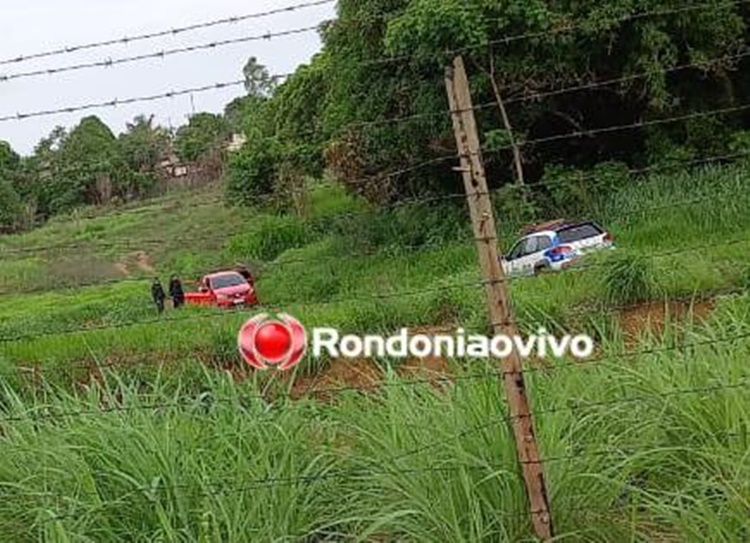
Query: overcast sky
<point x="33" y="26"/>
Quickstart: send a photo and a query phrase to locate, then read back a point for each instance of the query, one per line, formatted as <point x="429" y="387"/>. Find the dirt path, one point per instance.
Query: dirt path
<point x="140" y="259"/>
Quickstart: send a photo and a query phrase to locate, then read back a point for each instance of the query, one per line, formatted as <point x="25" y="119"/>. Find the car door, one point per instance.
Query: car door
<point x="525" y="263"/>
<point x="510" y="263"/>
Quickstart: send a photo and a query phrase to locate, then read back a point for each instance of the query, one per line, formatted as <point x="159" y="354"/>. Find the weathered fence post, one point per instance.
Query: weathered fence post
<point x="498" y="301"/>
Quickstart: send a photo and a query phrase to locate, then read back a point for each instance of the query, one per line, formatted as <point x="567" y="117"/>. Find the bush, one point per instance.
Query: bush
<point x="629" y="278"/>
<point x="514" y="205"/>
<point x="575" y="192"/>
<point x="740" y="145"/>
<point x="251" y="172"/>
<point x="405" y="226"/>
<point x="269" y="237"/>
<point x="11" y="209"/>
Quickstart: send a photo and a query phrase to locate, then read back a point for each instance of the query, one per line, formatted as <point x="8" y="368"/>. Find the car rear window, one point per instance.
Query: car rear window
<point x="579" y="232"/>
<point x="228" y="280"/>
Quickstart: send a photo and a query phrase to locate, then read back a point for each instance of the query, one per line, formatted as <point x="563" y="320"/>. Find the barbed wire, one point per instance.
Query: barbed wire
<point x="563" y="29"/>
<point x="319" y="259"/>
<point x="274" y="307"/>
<point x="545" y="369"/>
<point x="538" y="95"/>
<point x="126" y="40"/>
<point x="125" y="101"/>
<point x="109" y="63"/>
<point x="579" y="177"/>
<point x="277" y="305"/>
<point x="207" y="401"/>
<point x="615" y="450"/>
<point x="206" y="88"/>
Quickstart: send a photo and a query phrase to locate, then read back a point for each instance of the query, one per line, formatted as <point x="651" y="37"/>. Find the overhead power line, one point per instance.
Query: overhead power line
<point x="125" y="40"/>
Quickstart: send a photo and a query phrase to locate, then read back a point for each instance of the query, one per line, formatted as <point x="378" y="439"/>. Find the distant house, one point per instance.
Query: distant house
<point x="171" y="166"/>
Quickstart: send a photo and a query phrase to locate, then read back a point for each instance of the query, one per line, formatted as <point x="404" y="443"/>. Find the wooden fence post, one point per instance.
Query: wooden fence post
<point x="498" y="300"/>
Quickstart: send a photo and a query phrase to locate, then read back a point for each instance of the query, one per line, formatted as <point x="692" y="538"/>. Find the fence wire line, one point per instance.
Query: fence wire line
<point x="595" y="361"/>
<point x="110" y="62"/>
<point x="127" y="244"/>
<point x="206" y="401"/>
<point x="428" y="199"/>
<point x="126" y="40"/>
<point x="538" y="95"/>
<point x="281" y="305"/>
<point x="263" y="266"/>
<point x="615" y="451"/>
<point x="570" y="27"/>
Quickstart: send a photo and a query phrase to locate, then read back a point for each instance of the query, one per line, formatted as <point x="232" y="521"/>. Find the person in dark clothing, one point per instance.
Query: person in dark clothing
<point x="176" y="292"/>
<point x="158" y="295"/>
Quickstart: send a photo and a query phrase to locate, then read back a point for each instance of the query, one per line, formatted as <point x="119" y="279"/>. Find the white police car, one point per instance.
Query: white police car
<point x="554" y="246"/>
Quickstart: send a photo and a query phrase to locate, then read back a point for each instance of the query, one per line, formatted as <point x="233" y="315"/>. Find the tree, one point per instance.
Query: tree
<point x="9" y="159"/>
<point x="204" y="133"/>
<point x="79" y="168"/>
<point x="11" y="207"/>
<point x="142" y="146"/>
<point x="258" y="82"/>
<point x="252" y="171"/>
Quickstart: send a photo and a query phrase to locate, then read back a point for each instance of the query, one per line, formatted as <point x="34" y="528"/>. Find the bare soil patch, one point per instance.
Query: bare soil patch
<point x="139" y="260"/>
<point x="654" y="318"/>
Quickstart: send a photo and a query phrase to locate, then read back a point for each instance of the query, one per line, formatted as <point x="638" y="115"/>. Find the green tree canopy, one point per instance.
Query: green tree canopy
<point x="385" y="59"/>
<point x="204" y="133"/>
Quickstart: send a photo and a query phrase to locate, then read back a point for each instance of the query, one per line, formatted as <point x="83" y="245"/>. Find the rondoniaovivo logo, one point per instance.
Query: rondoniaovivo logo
<point x="279" y="341"/>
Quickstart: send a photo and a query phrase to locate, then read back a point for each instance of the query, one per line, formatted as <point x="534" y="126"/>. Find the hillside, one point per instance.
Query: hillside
<point x="119" y="422"/>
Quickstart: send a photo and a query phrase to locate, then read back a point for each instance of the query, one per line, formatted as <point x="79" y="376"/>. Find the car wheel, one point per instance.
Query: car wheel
<point x="539" y="269"/>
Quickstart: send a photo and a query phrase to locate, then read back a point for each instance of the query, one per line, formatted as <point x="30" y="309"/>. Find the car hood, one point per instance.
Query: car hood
<point x="232" y="291"/>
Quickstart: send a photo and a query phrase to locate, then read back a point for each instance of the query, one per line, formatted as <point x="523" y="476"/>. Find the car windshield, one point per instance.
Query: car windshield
<point x="579" y="232"/>
<point x="229" y="280"/>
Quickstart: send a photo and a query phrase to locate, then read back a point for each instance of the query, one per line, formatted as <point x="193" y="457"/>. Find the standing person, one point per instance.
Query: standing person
<point x="157" y="293"/>
<point x="176" y="292"/>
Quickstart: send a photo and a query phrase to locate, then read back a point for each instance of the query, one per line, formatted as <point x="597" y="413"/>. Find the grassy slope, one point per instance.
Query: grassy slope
<point x="623" y="470"/>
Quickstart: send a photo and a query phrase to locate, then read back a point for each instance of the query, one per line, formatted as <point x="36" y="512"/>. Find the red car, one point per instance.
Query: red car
<point x="223" y="289"/>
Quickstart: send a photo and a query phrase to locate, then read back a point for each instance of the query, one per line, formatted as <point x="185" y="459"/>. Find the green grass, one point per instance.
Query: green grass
<point x="641" y="447"/>
<point x="636" y="454"/>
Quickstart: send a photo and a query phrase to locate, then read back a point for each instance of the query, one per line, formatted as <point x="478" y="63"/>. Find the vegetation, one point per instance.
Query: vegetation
<point x="664" y="66"/>
<point x="121" y="424"/>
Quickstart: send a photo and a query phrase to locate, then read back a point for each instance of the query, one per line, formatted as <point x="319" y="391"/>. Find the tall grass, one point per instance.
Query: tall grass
<point x="651" y="448"/>
<point x="646" y="447"/>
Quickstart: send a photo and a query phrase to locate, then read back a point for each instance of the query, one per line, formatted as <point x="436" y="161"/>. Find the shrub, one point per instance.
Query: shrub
<point x="514" y="205"/>
<point x="11" y="209"/>
<point x="269" y="237"/>
<point x="629" y="278"/>
<point x="575" y="192"/>
<point x="405" y="226"/>
<point x="251" y="172"/>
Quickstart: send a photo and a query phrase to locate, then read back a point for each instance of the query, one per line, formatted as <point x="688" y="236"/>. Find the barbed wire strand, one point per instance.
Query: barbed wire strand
<point x="126" y="40"/>
<point x="279" y="305"/>
<point x="114" y="103"/>
<point x="594" y="361"/>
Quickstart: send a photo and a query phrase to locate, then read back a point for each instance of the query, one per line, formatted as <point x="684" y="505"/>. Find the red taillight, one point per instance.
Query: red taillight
<point x="608" y="238"/>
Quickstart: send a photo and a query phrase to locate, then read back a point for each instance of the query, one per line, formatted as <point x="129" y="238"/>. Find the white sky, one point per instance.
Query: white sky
<point x="33" y="26"/>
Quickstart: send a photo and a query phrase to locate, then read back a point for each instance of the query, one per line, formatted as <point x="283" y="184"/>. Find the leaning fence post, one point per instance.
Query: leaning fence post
<point x="483" y="221"/>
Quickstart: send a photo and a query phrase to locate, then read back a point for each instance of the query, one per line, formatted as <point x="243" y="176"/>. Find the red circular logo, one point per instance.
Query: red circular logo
<point x="265" y="341"/>
<point x="273" y="340"/>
